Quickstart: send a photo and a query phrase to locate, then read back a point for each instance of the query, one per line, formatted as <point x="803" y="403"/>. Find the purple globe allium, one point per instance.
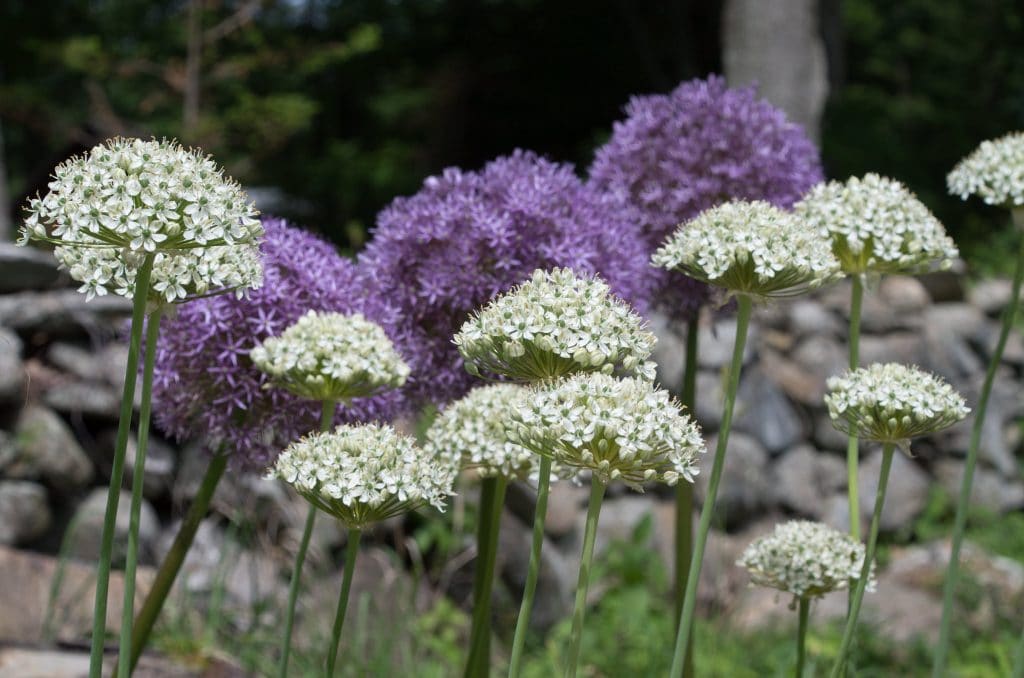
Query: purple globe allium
<point x="678" y="154"/>
<point x="467" y="236"/>
<point x="204" y="379"/>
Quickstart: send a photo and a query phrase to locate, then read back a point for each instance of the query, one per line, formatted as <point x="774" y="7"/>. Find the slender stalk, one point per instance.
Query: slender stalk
<point x="138" y="481"/>
<point x="1018" y="658"/>
<point x="171" y="565"/>
<point x="963" y="503"/>
<point x="532" y="572"/>
<point x="684" y="491"/>
<point x="580" y="607"/>
<point x="852" y="448"/>
<point x="351" y="551"/>
<point x="869" y="556"/>
<point x="685" y="628"/>
<point x="99" y="618"/>
<point x="492" y="499"/>
<point x="801" y="636"/>
<point x="326" y="419"/>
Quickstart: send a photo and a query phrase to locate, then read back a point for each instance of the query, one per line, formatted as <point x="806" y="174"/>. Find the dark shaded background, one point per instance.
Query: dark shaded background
<point x="330" y="108"/>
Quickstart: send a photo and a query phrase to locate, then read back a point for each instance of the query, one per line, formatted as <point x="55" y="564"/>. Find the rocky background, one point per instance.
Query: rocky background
<point x="61" y="370"/>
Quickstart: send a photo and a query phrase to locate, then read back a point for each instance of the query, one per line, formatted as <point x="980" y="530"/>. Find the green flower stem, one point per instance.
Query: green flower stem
<point x="99" y="618"/>
<point x="684" y="491"/>
<point x="138" y="481"/>
<point x="801" y="636"/>
<point x="852" y="448"/>
<point x="580" y="607"/>
<point x="963" y="503"/>
<point x="172" y="562"/>
<point x="326" y="420"/>
<point x="1018" y="658"/>
<point x="351" y="551"/>
<point x="492" y="499"/>
<point x="532" y="572"/>
<point x="685" y="628"/>
<point x="869" y="556"/>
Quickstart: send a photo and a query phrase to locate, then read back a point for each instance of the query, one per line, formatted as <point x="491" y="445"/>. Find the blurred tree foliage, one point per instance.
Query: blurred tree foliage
<point x="922" y="83"/>
<point x="340" y="105"/>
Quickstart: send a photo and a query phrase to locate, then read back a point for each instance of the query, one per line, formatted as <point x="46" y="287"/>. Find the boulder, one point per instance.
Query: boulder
<point x="989" y="489"/>
<point x="990" y="296"/>
<point x="62" y="312"/>
<point x="805" y="478"/>
<point x="746" y="488"/>
<point x="87" y="528"/>
<point x="906" y="494"/>
<point x="716" y="340"/>
<point x="47" y="450"/>
<point x="26" y="268"/>
<point x="12" y="369"/>
<point x="24" y="513"/>
<point x="764" y="411"/>
<point x="91" y="398"/>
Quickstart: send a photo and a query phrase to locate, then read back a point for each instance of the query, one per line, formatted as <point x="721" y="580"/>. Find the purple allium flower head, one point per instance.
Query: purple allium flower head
<point x="205" y="381"/>
<point x="678" y="154"/>
<point x="468" y="236"/>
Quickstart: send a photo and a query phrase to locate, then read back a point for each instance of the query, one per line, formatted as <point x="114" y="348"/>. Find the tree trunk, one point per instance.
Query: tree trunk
<point x="778" y="44"/>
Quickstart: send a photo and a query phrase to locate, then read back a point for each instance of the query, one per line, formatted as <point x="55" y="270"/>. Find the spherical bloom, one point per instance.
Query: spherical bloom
<point x="750" y="248"/>
<point x="468" y="236"/>
<point x="330" y="356"/>
<point x="892" y="403"/>
<point x="619" y="429"/>
<point x="877" y="226"/>
<point x="127" y="198"/>
<point x="205" y="381"/>
<point x="805" y="558"/>
<point x="994" y="172"/>
<point x="553" y="325"/>
<point x="679" y="154"/>
<point x="364" y="474"/>
<point x="472" y="433"/>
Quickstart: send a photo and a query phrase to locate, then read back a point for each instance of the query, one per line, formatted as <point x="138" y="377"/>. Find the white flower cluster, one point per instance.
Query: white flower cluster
<point x="128" y="198"/>
<point x="892" y="403"/>
<point x="751" y="248"/>
<point x="471" y="433"/>
<point x="330" y="356"/>
<point x="619" y="429"/>
<point x="806" y="559"/>
<point x="553" y="325"/>
<point x="994" y="172"/>
<point x="364" y="474"/>
<point x="877" y="225"/>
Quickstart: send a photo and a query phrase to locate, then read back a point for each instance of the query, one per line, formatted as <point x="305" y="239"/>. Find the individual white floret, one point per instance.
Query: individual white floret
<point x="877" y="225"/>
<point x="330" y="356"/>
<point x="553" y="325"/>
<point x="892" y="403"/>
<point x="751" y="248"/>
<point x="617" y="428"/>
<point x="805" y="558"/>
<point x="994" y="172"/>
<point x="364" y="474"/>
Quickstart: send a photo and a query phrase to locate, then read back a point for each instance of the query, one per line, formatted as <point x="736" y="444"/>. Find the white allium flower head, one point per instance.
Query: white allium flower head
<point x="806" y="559"/>
<point x="330" y="356"/>
<point x="877" y="225"/>
<point x="553" y="325"/>
<point x="127" y="198"/>
<point x="364" y="474"/>
<point x="472" y="433"/>
<point x="751" y="248"/>
<point x="892" y="403"/>
<point x="994" y="172"/>
<point x="617" y="428"/>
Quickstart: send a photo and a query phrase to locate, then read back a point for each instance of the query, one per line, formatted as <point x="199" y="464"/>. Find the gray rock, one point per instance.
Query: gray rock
<point x="12" y="369"/>
<point x="805" y="478"/>
<point x="62" y="311"/>
<point x="809" y="317"/>
<point x="82" y="362"/>
<point x="991" y="296"/>
<point x="556" y="582"/>
<point x="87" y="528"/>
<point x="25" y="268"/>
<point x="821" y="358"/>
<point x="85" y="397"/>
<point x="112" y="360"/>
<point x="961" y="319"/>
<point x="763" y="411"/>
<point x="24" y="513"/>
<point x="160" y="463"/>
<point x="670" y="351"/>
<point x="48" y="451"/>
<point x="199" y="570"/>
<point x="566" y="503"/>
<point x="898" y="304"/>
<point x="899" y="347"/>
<point x="746" y="489"/>
<point x="904" y="293"/>
<point x="949" y="355"/>
<point x="987" y="337"/>
<point x="716" y="341"/>
<point x="8" y="450"/>
<point x="905" y="497"/>
<point x="946" y="286"/>
<point x="710" y="399"/>
<point x="988" y="489"/>
<point x="995" y="447"/>
<point x="826" y="436"/>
